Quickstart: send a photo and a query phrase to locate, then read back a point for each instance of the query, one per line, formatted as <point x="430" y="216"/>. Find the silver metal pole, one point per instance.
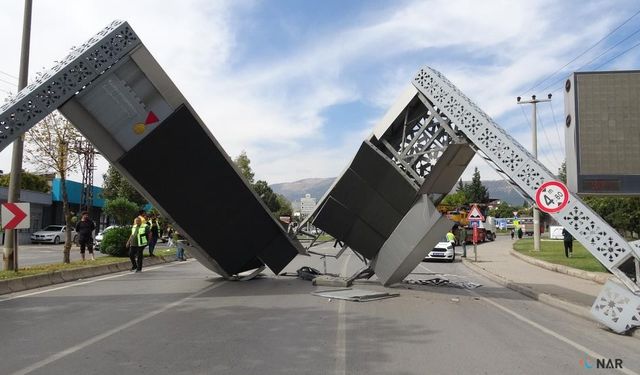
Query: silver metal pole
<point x="534" y="146"/>
<point x="10" y="254"/>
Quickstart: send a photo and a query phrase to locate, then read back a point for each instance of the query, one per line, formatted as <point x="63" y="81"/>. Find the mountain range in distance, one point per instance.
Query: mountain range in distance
<point x="317" y="187"/>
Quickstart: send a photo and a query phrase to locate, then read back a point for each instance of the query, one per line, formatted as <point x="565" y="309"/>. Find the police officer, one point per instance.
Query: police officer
<point x="137" y="241"/>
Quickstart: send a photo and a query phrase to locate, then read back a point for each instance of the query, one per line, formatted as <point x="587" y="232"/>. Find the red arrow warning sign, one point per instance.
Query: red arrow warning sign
<point x="14" y="215"/>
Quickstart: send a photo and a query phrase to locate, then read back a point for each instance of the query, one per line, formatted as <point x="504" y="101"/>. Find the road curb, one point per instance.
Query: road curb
<point x="37" y="281"/>
<point x="547" y="299"/>
<point x="598" y="277"/>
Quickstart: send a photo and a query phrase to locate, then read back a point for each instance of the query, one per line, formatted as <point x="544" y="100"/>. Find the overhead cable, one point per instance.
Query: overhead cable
<point x="583" y="53"/>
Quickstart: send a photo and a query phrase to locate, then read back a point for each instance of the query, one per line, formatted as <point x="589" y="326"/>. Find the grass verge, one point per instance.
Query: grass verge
<point x="50" y="268"/>
<point x="552" y="251"/>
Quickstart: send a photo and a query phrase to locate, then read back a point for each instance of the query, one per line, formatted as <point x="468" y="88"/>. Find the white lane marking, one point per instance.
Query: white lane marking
<point x="550" y="332"/>
<point x="111" y="332"/>
<point x="341" y="333"/>
<point x="72" y="284"/>
<point x="544" y="329"/>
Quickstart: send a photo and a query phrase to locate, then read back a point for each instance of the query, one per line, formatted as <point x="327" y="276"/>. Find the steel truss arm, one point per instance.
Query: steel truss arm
<point x="613" y="307"/>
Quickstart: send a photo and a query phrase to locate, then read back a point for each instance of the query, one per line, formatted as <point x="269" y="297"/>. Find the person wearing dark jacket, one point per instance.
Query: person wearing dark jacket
<point x="85" y="228"/>
<point x="568" y="243"/>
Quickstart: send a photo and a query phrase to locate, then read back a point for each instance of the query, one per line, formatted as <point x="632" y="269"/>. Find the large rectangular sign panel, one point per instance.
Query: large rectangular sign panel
<point x="602" y="132"/>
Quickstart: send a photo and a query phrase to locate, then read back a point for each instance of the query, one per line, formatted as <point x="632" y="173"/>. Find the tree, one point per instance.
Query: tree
<point x="285" y="206"/>
<point x="267" y="195"/>
<point x="476" y="192"/>
<point x="48" y="147"/>
<point x="29" y="181"/>
<point x="115" y="185"/>
<point x="244" y="164"/>
<point x="122" y="209"/>
<point x="276" y="203"/>
<point x="504" y="209"/>
<point x="456" y="199"/>
<point x="562" y="172"/>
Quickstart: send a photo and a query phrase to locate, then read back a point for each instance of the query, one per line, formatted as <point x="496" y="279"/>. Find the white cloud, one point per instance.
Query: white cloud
<point x="273" y="108"/>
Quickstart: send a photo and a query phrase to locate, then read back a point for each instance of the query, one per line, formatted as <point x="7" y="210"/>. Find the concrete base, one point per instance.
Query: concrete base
<point x="332" y="281"/>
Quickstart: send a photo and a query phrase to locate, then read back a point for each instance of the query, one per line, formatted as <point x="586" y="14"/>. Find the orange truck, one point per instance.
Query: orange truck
<point x="459" y="215"/>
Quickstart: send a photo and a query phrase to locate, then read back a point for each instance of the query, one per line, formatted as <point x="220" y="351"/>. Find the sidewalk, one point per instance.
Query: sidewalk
<point x="569" y="293"/>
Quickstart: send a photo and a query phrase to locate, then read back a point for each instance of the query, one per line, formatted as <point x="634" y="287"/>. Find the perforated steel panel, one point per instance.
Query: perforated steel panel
<point x="52" y="88"/>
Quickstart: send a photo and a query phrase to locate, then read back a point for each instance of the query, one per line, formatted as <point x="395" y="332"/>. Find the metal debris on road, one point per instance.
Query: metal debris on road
<point x="355" y="295"/>
<point x="437" y="281"/>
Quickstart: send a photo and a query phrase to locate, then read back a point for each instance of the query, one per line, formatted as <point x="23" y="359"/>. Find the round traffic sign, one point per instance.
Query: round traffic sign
<point x="552" y="196"/>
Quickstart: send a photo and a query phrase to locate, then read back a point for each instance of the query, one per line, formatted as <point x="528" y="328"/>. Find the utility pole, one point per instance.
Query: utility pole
<point x="534" y="146"/>
<point x="10" y="255"/>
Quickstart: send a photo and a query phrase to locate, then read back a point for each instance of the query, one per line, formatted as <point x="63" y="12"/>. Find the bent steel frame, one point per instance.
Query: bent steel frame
<point x="430" y="135"/>
<point x="113" y="90"/>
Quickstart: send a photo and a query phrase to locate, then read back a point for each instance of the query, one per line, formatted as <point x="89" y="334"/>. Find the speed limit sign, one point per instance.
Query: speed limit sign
<point x="552" y="196"/>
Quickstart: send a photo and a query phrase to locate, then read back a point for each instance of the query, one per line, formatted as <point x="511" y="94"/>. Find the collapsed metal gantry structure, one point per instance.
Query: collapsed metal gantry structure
<point x="429" y="137"/>
<point x="382" y="207"/>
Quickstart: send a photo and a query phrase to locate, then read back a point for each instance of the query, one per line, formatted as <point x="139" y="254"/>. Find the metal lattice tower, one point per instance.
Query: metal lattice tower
<point x="87" y="153"/>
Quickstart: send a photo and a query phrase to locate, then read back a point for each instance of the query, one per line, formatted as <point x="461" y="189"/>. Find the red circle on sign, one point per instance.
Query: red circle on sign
<point x="547" y="205"/>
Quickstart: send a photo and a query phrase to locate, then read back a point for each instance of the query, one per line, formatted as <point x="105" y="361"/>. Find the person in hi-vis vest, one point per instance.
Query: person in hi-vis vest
<point x="137" y="241"/>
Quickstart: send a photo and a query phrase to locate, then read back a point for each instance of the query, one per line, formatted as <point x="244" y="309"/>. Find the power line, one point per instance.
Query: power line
<point x="9" y="75"/>
<point x="596" y="68"/>
<point x="525" y="117"/>
<point x="555" y="121"/>
<point x="616" y="56"/>
<point x="550" y="150"/>
<point x="583" y="53"/>
<point x="7" y="82"/>
<point x="609" y="49"/>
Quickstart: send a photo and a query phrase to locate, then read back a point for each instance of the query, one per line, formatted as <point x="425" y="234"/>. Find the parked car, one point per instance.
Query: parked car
<point x="442" y="250"/>
<point x="54" y="234"/>
<point x="100" y="236"/>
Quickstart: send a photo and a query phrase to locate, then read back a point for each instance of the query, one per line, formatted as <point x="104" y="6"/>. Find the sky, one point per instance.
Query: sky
<point x="299" y="85"/>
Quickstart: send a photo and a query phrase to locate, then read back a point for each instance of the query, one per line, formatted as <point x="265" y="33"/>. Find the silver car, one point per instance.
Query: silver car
<point x="54" y="234"/>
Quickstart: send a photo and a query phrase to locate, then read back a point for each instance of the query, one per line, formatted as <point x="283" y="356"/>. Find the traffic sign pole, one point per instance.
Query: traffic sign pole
<point x="14" y="216"/>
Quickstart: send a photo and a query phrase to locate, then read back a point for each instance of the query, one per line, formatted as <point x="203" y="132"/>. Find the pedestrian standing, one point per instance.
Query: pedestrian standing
<point x="462" y="239"/>
<point x="85" y="228"/>
<point x="568" y="243"/>
<point x="520" y="233"/>
<point x="452" y="239"/>
<point x="136" y="243"/>
<point x="142" y="215"/>
<point x="179" y="241"/>
<point x="154" y="233"/>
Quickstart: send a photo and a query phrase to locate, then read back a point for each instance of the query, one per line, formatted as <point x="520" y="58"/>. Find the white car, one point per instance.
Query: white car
<point x="54" y="234"/>
<point x="443" y="250"/>
<point x="100" y="235"/>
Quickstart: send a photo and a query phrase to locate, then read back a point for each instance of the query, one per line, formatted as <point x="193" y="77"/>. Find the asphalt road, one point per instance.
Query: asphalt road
<point x="182" y="319"/>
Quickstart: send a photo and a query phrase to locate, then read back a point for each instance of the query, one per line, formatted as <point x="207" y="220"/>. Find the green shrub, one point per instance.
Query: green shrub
<point x="114" y="241"/>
